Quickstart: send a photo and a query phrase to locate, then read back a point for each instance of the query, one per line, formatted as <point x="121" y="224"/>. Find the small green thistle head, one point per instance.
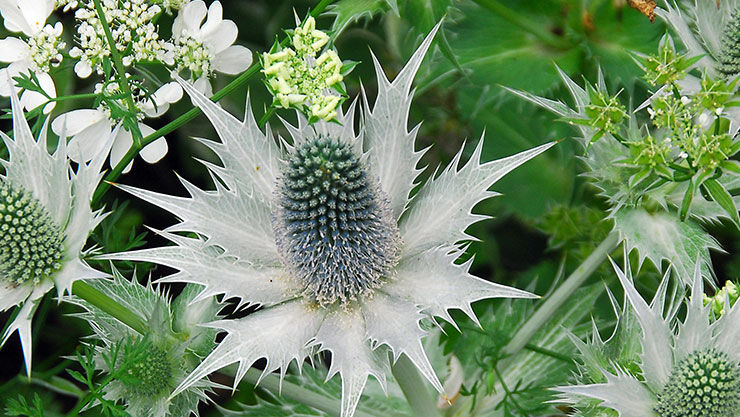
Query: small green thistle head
<point x="148" y="371"/>
<point x="729" y="57"/>
<point x="667" y="66"/>
<point x="32" y="244"/>
<point x="333" y="225"/>
<point x="704" y="384"/>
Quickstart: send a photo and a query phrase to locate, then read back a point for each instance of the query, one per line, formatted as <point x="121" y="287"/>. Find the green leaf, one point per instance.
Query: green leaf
<point x="723" y="198"/>
<point x="686" y="202"/>
<point x="346" y="12"/>
<point x="661" y="236"/>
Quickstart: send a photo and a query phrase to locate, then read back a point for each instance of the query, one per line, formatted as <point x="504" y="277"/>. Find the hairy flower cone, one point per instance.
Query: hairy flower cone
<point x="729" y="58"/>
<point x="333" y="226"/>
<point x="705" y="384"/>
<point x="32" y="245"/>
<point x="152" y="375"/>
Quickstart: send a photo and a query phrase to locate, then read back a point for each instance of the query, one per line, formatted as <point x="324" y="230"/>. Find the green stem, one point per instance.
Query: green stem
<point x="547" y="310"/>
<point x="297" y="393"/>
<point x="183" y="119"/>
<point x="414" y="388"/>
<point x="110" y="306"/>
<point x="515" y="18"/>
<point x="120" y="72"/>
<point x="266" y="116"/>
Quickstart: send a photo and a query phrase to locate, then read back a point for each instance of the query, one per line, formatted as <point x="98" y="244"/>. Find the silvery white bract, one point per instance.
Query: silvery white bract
<point x="323" y="234"/>
<point x="45" y="224"/>
<point x="688" y="368"/>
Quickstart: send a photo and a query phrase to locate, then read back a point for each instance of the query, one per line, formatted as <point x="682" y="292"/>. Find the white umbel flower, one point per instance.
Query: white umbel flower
<point x="202" y="47"/>
<point x="322" y="235"/>
<point x="692" y="371"/>
<point x="37" y="53"/>
<point x="46" y="219"/>
<point x="86" y="127"/>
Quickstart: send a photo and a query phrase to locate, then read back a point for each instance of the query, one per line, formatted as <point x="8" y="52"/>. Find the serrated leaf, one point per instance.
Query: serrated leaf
<point x="662" y="236"/>
<point x="346" y="12"/>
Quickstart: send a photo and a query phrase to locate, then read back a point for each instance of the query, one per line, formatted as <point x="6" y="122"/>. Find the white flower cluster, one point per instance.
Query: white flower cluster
<point x="297" y="78"/>
<point x="132" y="29"/>
<point x="35" y="51"/>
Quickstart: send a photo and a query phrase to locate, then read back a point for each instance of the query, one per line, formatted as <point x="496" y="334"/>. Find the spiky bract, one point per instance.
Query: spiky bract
<point x="333" y="226"/>
<point x="31" y="242"/>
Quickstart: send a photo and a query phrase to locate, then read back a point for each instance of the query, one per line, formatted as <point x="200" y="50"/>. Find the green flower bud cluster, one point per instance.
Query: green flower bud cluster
<point x="729" y="292"/>
<point x="651" y="153"/>
<point x="714" y="95"/>
<point x="705" y="384"/>
<point x="32" y="245"/>
<point x="729" y="58"/>
<point x="298" y="78"/>
<point x="604" y="112"/>
<point x="667" y="66"/>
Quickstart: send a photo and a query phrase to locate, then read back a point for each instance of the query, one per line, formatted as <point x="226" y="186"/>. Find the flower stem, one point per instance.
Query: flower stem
<point x="557" y="298"/>
<point x="110" y="306"/>
<point x="414" y="387"/>
<point x="513" y="17"/>
<point x="295" y="392"/>
<point x="120" y="74"/>
<point x="186" y="117"/>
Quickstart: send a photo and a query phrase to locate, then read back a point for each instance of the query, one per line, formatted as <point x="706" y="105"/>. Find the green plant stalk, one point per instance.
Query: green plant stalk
<point x="545" y="312"/>
<point x="531" y="27"/>
<point x="120" y="72"/>
<point x="186" y="117"/>
<point x="110" y="306"/>
<point x="295" y="392"/>
<point x="414" y="388"/>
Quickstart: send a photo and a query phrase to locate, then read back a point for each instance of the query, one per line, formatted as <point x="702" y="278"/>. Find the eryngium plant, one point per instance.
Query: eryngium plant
<point x="324" y="235"/>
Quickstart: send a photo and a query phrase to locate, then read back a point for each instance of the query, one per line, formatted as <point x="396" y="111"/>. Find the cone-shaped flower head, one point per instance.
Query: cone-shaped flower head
<point x="693" y="371"/>
<point x="321" y="233"/>
<point x="145" y="369"/>
<point x="45" y="219"/>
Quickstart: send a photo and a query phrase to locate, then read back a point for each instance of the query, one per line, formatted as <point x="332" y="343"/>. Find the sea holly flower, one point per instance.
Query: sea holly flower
<point x="145" y="369"/>
<point x="40" y="51"/>
<point x="203" y="47"/>
<point x="323" y="234"/>
<point x="685" y="368"/>
<point x="46" y="218"/>
<point x="86" y="127"/>
<point x="302" y="78"/>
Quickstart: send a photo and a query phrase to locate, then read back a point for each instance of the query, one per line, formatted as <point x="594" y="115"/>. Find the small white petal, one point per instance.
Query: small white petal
<point x="73" y="122"/>
<point x="233" y="60"/>
<point x="203" y="86"/>
<point x="121" y="144"/>
<point x="13" y="49"/>
<point x="87" y="143"/>
<point x="33" y="99"/>
<point x="190" y="17"/>
<point x="154" y="151"/>
<point x="83" y="69"/>
<point x="220" y="37"/>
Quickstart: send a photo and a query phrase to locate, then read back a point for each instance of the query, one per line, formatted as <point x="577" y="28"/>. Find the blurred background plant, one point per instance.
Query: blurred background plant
<point x="550" y="220"/>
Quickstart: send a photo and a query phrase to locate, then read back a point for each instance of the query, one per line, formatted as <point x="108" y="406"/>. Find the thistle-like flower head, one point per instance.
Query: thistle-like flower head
<point x="691" y="371"/>
<point x="323" y="234"/>
<point x="145" y="369"/>
<point x="46" y="218"/>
